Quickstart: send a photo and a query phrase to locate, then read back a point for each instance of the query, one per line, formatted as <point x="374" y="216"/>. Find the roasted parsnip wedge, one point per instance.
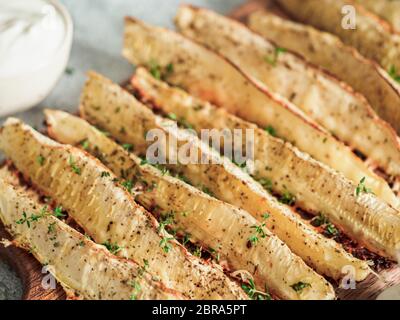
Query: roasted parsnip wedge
<point x="325" y="50"/>
<point x="281" y="167"/>
<point x="84" y="269"/>
<point x="209" y="222"/>
<point x="209" y="171"/>
<point x="108" y="213"/>
<point x="366" y="32"/>
<point x="325" y="99"/>
<point x="386" y="9"/>
<point x="205" y="74"/>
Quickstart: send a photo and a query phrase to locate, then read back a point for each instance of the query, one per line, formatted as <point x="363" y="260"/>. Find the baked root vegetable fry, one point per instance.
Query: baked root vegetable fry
<point x="218" y="175"/>
<point x="388" y="10"/>
<point x="325" y="50"/>
<point x="224" y="229"/>
<point x="84" y="269"/>
<point x="283" y="168"/>
<point x="207" y="75"/>
<point x="371" y="36"/>
<point x="107" y="212"/>
<point x="328" y="101"/>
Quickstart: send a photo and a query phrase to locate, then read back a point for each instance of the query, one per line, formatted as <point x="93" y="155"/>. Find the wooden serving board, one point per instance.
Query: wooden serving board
<point x="30" y="271"/>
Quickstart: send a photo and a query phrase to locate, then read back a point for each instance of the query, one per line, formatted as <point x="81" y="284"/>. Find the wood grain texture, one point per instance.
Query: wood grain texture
<point x="371" y="287"/>
<point x="29" y="270"/>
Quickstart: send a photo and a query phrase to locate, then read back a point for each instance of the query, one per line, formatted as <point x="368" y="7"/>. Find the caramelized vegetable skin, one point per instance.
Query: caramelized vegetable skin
<point x="217" y="226"/>
<point x="325" y="50"/>
<point x="326" y="100"/>
<point x="372" y="36"/>
<point x="68" y="254"/>
<point x="283" y="168"/>
<point x="207" y="75"/>
<point x="108" y="213"/>
<point x="219" y="176"/>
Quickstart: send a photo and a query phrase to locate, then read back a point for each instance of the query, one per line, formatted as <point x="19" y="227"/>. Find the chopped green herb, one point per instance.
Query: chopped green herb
<point x="186" y="239"/>
<point x="85" y="145"/>
<point x="253" y="293"/>
<point x="266" y="183"/>
<point x="51" y="228"/>
<point x="393" y="73"/>
<point x="72" y="164"/>
<point x="215" y="254"/>
<point x="143" y="162"/>
<point x="272" y="60"/>
<point x="198" y="251"/>
<point x="322" y="221"/>
<point x="58" y="212"/>
<point x="172" y="116"/>
<point x="266" y="216"/>
<point x="362" y="188"/>
<point x="165" y="244"/>
<point x="127" y="146"/>
<point x="40" y="159"/>
<point x="128" y="185"/>
<point x="271" y="130"/>
<point x="287" y="198"/>
<point x="105" y="174"/>
<point x="300" y="286"/>
<point x="159" y="72"/>
<point x="112" y="247"/>
<point x="208" y="191"/>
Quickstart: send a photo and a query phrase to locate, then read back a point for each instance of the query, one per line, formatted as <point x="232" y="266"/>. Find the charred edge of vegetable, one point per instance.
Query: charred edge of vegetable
<point x="350" y="245"/>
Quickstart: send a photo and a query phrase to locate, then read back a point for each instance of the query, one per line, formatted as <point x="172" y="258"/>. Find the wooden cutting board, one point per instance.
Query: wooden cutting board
<point x="30" y="271"/>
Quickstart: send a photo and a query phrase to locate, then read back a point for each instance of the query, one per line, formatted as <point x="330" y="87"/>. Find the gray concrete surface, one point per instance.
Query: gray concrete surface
<point x="97" y="46"/>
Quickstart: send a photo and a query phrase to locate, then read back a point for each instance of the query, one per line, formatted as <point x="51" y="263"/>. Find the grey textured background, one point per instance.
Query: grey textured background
<point x="97" y="45"/>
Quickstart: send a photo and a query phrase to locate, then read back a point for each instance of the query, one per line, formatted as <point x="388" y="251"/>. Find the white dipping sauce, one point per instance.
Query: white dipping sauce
<point x="31" y="32"/>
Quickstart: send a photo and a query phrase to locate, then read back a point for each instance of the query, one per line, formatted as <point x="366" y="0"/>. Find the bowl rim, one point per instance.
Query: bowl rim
<point x="65" y="46"/>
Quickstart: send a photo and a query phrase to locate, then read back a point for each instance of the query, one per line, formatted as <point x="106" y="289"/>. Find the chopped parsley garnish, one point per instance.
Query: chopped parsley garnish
<point x="36" y="217"/>
<point x="85" y="145"/>
<point x="393" y="73"/>
<point x="362" y="188"/>
<point x="215" y="254"/>
<point x="73" y="166"/>
<point x="271" y="130"/>
<point x="165" y="244"/>
<point x="259" y="232"/>
<point x="287" y="198"/>
<point x="322" y="221"/>
<point x="166" y="221"/>
<point x="112" y="247"/>
<point x="51" y="228"/>
<point x="128" y="185"/>
<point x="159" y="72"/>
<point x="300" y="286"/>
<point x="207" y="191"/>
<point x="272" y="60"/>
<point x="186" y="239"/>
<point x="172" y="116"/>
<point x="137" y="288"/>
<point x="266" y="183"/>
<point x="58" y="212"/>
<point x="40" y="159"/>
<point x="143" y="162"/>
<point x="105" y="174"/>
<point x="198" y="251"/>
<point x="128" y="146"/>
<point x="253" y="293"/>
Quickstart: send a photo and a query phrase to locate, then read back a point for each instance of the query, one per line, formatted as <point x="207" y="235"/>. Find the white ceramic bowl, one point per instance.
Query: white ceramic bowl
<point x="26" y="90"/>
